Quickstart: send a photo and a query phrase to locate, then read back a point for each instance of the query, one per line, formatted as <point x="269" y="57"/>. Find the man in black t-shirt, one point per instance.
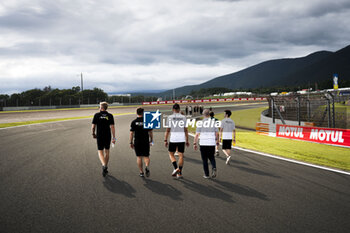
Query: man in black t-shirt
<point x="140" y="140"/>
<point x="105" y="124"/>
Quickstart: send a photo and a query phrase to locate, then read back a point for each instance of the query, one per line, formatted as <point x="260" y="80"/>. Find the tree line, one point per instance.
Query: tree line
<point x="48" y="96"/>
<point x="74" y="96"/>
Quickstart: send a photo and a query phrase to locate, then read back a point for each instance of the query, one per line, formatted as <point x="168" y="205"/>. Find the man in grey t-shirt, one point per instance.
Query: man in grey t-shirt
<point x="227" y="135"/>
<point x="208" y="138"/>
<point x="178" y="139"/>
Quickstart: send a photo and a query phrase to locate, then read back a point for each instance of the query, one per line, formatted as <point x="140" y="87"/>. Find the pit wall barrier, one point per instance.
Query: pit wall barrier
<point x="268" y="120"/>
<point x="23" y="108"/>
<point x="202" y="101"/>
<point x="330" y="136"/>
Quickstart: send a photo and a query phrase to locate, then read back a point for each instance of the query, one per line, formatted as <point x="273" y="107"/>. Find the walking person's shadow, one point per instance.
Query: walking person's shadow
<point x="241" y="189"/>
<point x="163" y="189"/>
<point x="207" y="190"/>
<point x="119" y="186"/>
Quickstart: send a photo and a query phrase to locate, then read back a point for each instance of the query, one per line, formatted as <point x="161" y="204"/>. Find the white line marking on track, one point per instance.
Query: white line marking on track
<point x="289" y="160"/>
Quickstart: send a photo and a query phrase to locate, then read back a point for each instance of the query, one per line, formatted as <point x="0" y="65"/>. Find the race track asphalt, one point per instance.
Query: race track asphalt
<point x="50" y="181"/>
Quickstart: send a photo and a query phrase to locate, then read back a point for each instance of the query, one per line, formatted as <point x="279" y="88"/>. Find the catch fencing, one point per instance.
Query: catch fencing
<point x="318" y="109"/>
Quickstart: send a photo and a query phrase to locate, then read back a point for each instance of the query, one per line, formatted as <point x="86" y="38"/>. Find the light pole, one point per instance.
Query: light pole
<point x="81" y="80"/>
<point x="81" y="87"/>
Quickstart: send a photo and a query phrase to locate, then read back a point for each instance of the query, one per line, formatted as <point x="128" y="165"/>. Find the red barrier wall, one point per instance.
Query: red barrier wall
<point x="200" y="101"/>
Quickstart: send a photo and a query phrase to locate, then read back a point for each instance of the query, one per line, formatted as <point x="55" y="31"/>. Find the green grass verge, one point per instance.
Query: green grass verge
<point x="245" y="118"/>
<point x="339" y="106"/>
<point x="324" y="155"/>
<point x="12" y="124"/>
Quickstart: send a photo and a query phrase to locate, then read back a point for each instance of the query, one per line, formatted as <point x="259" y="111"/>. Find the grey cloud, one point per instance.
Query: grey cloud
<point x="195" y="32"/>
<point x="327" y="7"/>
<point x="28" y="19"/>
<point x="28" y="49"/>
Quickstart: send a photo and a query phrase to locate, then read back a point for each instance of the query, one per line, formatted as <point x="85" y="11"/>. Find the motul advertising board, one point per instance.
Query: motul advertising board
<point x="340" y="137"/>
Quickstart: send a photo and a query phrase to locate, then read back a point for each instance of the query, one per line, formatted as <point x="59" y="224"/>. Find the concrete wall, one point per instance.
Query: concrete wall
<point x="21" y="108"/>
<point x="35" y="108"/>
<point x="265" y="119"/>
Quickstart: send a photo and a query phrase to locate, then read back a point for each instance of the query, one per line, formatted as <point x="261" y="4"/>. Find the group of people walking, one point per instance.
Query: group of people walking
<point x="189" y="110"/>
<point x="207" y="139"/>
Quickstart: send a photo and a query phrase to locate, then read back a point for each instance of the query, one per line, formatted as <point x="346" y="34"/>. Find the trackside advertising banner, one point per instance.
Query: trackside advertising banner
<point x="340" y="137"/>
<point x="200" y="101"/>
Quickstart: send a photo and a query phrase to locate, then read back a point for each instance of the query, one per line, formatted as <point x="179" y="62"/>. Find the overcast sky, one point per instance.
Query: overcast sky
<point x="130" y="45"/>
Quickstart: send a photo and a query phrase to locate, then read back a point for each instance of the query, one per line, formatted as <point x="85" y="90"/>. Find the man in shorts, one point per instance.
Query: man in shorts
<point x="105" y="124"/>
<point x="140" y="140"/>
<point x="208" y="138"/>
<point x="178" y="139"/>
<point x="227" y="135"/>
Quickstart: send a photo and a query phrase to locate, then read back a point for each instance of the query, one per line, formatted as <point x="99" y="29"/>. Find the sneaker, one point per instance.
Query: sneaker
<point x="206" y="177"/>
<point x="104" y="171"/>
<point x="147" y="172"/>
<point x="176" y="171"/>
<point x="142" y="174"/>
<point x="179" y="176"/>
<point x="228" y="160"/>
<point x="217" y="153"/>
<point x="213" y="173"/>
